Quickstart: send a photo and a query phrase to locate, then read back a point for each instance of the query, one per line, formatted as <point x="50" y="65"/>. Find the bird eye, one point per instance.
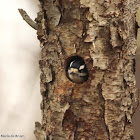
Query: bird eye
<point x="82" y="70"/>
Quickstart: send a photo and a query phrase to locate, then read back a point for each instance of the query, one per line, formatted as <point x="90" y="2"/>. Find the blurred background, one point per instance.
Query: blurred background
<point x="19" y="72"/>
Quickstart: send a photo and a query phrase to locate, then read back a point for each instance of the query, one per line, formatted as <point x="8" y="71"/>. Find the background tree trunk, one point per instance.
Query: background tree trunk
<point x="103" y="33"/>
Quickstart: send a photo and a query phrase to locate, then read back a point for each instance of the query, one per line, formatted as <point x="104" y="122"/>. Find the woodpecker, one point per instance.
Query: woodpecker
<point x="77" y="71"/>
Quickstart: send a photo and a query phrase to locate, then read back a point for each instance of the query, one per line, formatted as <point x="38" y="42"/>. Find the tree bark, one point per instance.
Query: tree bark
<point x="103" y="33"/>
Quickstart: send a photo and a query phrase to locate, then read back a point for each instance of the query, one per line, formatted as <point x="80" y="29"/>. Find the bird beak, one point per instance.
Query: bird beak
<point x="73" y="70"/>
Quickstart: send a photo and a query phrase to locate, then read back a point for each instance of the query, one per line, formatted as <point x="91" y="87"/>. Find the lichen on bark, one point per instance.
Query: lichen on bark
<point x="102" y="33"/>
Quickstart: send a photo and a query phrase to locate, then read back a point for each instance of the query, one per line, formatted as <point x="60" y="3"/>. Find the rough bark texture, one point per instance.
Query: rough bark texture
<point x="103" y="33"/>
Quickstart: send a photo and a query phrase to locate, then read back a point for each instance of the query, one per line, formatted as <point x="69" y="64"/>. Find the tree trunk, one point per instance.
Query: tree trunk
<point x="103" y="33"/>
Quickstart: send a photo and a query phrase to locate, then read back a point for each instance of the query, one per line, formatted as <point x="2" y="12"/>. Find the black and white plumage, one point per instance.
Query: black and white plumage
<point x="77" y="71"/>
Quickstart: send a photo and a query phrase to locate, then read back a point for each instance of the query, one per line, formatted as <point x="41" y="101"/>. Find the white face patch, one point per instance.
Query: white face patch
<point x="71" y="63"/>
<point x="82" y="67"/>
